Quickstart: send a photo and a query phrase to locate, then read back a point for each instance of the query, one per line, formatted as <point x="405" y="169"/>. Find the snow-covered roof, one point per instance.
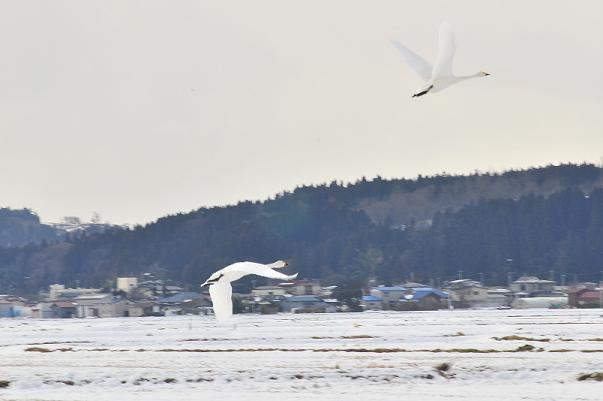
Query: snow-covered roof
<point x="387" y="289"/>
<point x="531" y="279"/>
<point x="371" y="298"/>
<point x="183" y="296"/>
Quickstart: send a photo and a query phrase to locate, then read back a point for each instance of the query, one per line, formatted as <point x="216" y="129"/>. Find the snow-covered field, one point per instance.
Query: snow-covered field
<point x="364" y="356"/>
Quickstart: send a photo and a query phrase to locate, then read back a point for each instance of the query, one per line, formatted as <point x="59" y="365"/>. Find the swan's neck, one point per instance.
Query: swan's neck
<point x="465" y="77"/>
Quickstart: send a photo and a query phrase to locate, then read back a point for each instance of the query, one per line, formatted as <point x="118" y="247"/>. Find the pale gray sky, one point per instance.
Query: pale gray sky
<point x="137" y="109"/>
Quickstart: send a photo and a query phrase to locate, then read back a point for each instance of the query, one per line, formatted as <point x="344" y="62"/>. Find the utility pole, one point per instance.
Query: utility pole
<point x="412" y="277"/>
<point x="509" y="278"/>
<point x="481" y="278"/>
<point x="552" y="275"/>
<point x="563" y="280"/>
<point x="460" y="274"/>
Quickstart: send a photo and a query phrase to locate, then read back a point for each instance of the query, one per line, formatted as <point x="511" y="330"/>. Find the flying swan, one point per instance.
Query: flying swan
<point x="220" y="289"/>
<point x="439" y="76"/>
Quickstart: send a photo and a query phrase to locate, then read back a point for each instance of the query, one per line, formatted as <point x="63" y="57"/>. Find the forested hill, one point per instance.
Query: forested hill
<point x="543" y="219"/>
<point x="20" y="227"/>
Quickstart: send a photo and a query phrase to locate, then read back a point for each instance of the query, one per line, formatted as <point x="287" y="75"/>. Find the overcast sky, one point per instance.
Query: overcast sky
<point x="138" y="109"/>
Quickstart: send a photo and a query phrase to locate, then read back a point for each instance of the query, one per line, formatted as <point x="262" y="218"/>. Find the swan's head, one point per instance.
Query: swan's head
<point x="483" y="74"/>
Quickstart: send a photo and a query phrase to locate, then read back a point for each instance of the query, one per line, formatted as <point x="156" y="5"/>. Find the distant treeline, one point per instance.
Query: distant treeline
<point x="543" y="221"/>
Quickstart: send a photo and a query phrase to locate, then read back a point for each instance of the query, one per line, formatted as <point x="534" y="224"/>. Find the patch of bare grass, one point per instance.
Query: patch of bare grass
<point x="597" y="376"/>
<point x="37" y="349"/>
<point x="521" y="338"/>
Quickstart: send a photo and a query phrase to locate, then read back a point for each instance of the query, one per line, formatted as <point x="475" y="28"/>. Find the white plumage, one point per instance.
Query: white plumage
<point x="439" y="76"/>
<point x="220" y="289"/>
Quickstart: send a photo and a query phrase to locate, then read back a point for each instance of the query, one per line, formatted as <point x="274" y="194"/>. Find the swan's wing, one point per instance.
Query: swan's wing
<point x="260" y="270"/>
<point x="414" y="61"/>
<point x="221" y="298"/>
<point x="446" y="49"/>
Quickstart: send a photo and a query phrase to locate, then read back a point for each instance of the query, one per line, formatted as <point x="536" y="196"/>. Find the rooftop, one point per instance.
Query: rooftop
<point x="387" y="289"/>
<point x="182" y="297"/>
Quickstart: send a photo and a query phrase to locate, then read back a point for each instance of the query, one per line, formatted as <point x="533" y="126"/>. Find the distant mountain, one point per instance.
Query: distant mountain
<point x="545" y="221"/>
<point x="20" y="227"/>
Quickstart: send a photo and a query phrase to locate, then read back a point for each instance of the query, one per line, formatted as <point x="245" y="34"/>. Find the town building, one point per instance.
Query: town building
<point x="390" y="295"/>
<point x="100" y="305"/>
<point x="126" y="284"/>
<point x="532" y="286"/>
<point x="371" y="302"/>
<point x="58" y="291"/>
<point x="303" y="287"/>
<point x="304" y="304"/>
<point x="268" y="290"/>
<point x="540" y="302"/>
<point x="585" y="298"/>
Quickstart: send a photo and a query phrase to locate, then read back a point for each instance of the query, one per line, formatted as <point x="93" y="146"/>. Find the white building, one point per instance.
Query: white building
<point x="268" y="290"/>
<point x="390" y="295"/>
<point x="58" y="291"/>
<point x="126" y="284"/>
<point x="539" y="302"/>
<point x="532" y="286"/>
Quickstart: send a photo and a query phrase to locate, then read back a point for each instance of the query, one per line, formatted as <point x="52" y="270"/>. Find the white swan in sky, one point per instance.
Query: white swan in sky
<point x="220" y="289"/>
<point x="439" y="76"/>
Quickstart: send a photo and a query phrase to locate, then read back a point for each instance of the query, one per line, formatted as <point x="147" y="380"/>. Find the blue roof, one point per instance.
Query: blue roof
<point x="181" y="297"/>
<point x="386" y="289"/>
<point x="304" y="298"/>
<point x="423" y="292"/>
<point x="372" y="298"/>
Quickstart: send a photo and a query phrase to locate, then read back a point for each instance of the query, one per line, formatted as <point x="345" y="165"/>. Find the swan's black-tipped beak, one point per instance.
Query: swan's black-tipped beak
<point x="204" y="284"/>
<point x="485" y="73"/>
<point x="286" y="264"/>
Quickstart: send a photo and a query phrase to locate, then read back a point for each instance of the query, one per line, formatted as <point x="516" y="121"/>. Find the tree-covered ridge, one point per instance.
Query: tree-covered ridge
<point x="20" y="227"/>
<point x="539" y="218"/>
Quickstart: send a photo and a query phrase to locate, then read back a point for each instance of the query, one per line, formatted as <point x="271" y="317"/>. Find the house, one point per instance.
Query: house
<point x="371" y="302"/>
<point x="540" y="302"/>
<point x="303" y="304"/>
<point x="41" y="310"/>
<point x="429" y="298"/>
<point x="138" y="309"/>
<point x="100" y="305"/>
<point x="62" y="310"/>
<point x="499" y="297"/>
<point x="585" y="298"/>
<point x="389" y="295"/>
<point x="532" y="286"/>
<point x="303" y="287"/>
<point x="183" y="303"/>
<point x="268" y="290"/>
<point x="466" y="293"/>
<point x="332" y="305"/>
<point x="7" y="309"/>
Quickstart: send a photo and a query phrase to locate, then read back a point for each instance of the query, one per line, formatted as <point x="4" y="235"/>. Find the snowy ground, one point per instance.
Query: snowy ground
<point x="365" y="356"/>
